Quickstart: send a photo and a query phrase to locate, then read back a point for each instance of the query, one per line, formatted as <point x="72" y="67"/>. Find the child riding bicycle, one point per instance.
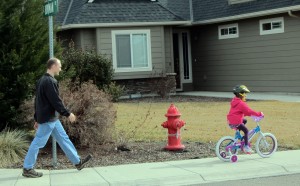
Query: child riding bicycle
<point x="238" y="110"/>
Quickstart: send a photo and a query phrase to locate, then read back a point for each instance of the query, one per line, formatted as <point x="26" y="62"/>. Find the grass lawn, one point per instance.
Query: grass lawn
<point x="206" y="121"/>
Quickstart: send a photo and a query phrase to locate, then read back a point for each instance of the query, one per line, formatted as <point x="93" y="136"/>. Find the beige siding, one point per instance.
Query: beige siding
<point x="88" y="39"/>
<point x="104" y="46"/>
<point x="264" y="63"/>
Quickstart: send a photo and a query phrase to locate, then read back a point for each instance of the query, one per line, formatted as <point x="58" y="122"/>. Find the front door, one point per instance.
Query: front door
<point x="182" y="58"/>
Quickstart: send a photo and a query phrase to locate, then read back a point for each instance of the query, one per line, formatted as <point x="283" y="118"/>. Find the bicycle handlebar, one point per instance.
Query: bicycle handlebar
<point x="257" y="118"/>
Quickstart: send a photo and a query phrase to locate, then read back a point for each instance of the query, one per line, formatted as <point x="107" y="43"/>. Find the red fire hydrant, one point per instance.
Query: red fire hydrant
<point x="173" y="124"/>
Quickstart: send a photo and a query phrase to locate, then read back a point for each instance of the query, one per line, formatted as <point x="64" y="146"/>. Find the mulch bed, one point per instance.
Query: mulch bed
<point x="135" y="152"/>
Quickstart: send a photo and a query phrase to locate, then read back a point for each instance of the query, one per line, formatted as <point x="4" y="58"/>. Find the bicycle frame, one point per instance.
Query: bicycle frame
<point x="228" y="147"/>
<point x="237" y="145"/>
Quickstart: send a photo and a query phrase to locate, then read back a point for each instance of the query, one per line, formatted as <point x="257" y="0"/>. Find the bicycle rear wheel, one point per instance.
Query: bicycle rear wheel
<point x="266" y="145"/>
<point x="221" y="151"/>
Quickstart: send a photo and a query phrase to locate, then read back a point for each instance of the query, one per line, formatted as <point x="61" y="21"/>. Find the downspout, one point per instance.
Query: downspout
<point x="191" y="11"/>
<point x="67" y="14"/>
<point x="292" y="15"/>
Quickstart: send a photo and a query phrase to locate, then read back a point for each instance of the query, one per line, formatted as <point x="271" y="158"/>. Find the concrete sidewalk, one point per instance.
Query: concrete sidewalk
<point x="187" y="172"/>
<point x="287" y="97"/>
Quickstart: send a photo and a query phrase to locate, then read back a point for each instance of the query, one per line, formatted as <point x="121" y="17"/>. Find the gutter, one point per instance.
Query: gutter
<point x="292" y="15"/>
<point x="68" y="11"/>
<point x="249" y="15"/>
<point x="191" y="10"/>
<point x="129" y="24"/>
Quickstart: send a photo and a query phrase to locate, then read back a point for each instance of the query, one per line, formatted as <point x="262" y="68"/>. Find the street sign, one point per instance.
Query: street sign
<point x="50" y="7"/>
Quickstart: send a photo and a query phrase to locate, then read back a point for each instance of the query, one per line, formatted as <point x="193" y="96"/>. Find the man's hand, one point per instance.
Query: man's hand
<point x="72" y="118"/>
<point x="35" y="126"/>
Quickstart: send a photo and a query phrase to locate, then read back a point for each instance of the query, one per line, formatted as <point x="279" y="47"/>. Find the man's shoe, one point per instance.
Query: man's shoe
<point x="31" y="173"/>
<point x="83" y="162"/>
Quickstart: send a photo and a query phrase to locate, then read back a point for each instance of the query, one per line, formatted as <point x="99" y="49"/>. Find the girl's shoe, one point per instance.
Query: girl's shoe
<point x="247" y="149"/>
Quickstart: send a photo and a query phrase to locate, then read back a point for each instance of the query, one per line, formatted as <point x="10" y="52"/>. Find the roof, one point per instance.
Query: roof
<point x="113" y="11"/>
<point x="212" y="9"/>
<point x="78" y="13"/>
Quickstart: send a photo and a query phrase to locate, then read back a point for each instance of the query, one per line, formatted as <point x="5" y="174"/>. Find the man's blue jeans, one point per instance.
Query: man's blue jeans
<point x="42" y="135"/>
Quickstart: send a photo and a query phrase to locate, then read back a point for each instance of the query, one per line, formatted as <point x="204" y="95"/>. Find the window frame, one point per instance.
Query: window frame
<point x="272" y="31"/>
<point x="114" y="33"/>
<point x="189" y="56"/>
<point x="229" y="36"/>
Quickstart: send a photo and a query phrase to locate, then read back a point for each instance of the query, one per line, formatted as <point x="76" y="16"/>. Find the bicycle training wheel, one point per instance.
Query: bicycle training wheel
<point x="221" y="152"/>
<point x="266" y="145"/>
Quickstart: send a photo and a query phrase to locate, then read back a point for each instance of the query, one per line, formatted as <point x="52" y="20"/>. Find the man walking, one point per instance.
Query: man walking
<point x="48" y="106"/>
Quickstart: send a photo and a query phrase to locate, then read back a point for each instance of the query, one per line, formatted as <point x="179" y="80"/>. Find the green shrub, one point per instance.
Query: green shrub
<point x="82" y="66"/>
<point x="26" y="112"/>
<point x="24" y="52"/>
<point x="114" y="90"/>
<point x="13" y="146"/>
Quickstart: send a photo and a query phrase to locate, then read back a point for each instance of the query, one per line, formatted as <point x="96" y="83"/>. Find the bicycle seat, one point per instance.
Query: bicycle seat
<point x="237" y="132"/>
<point x="234" y="127"/>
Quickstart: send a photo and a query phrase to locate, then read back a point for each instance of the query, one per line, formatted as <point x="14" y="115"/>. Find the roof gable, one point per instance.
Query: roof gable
<point x="178" y="7"/>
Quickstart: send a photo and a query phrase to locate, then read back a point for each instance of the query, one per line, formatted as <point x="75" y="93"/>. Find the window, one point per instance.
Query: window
<point x="228" y="31"/>
<point x="271" y="26"/>
<point x="131" y="50"/>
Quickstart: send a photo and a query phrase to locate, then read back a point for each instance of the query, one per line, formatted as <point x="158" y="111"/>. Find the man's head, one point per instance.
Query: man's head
<point x="54" y="66"/>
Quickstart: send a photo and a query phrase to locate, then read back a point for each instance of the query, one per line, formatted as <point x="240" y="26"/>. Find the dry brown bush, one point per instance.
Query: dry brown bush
<point x="94" y="111"/>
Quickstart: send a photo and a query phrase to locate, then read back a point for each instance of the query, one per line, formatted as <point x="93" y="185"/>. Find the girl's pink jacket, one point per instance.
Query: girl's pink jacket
<point x="238" y="110"/>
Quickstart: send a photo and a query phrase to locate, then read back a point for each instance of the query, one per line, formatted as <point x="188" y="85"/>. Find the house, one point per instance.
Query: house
<point x="211" y="45"/>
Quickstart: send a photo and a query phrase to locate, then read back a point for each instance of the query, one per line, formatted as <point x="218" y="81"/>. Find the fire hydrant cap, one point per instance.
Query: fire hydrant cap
<point x="173" y="111"/>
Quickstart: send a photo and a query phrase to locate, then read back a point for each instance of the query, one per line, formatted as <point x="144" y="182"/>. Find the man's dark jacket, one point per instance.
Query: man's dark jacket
<point x="47" y="101"/>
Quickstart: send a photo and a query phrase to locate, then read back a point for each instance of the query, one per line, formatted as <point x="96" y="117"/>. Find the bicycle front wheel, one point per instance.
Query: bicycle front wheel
<point x="266" y="145"/>
<point x="221" y="151"/>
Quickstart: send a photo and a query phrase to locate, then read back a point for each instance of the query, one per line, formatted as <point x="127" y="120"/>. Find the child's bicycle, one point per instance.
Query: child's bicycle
<point x="227" y="147"/>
